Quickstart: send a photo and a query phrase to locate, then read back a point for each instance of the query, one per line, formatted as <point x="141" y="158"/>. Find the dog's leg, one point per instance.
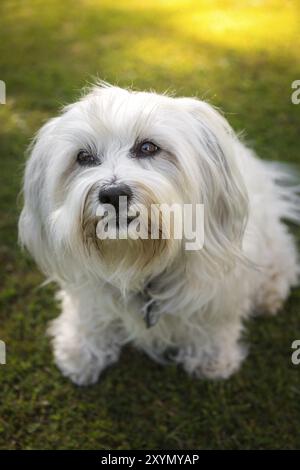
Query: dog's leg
<point x="216" y="354"/>
<point x="85" y="340"/>
<point x="281" y="271"/>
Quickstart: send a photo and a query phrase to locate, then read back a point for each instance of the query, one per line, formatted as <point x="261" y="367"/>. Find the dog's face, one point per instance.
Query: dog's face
<point x="148" y="148"/>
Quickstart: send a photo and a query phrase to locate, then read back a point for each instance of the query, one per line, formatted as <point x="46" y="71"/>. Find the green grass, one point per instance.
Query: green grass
<point x="243" y="57"/>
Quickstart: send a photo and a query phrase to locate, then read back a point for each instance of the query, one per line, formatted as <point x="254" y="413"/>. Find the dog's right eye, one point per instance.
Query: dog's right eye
<point x="86" y="158"/>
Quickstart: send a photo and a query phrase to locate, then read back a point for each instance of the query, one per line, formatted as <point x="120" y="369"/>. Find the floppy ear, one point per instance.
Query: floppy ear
<point x="33" y="233"/>
<point x="222" y="188"/>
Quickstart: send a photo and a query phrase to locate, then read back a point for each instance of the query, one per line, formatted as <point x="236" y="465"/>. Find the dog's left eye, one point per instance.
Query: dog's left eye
<point x="147" y="148"/>
<point x="86" y="158"/>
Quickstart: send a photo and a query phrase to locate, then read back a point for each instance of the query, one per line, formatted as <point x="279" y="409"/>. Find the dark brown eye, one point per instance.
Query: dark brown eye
<point x="148" y="148"/>
<point x="87" y="158"/>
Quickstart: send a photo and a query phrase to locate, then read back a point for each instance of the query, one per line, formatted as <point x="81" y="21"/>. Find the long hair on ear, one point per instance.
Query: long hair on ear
<point x="221" y="187"/>
<point x="33" y="233"/>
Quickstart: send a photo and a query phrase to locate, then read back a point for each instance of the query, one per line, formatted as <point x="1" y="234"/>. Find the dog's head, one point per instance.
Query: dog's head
<point x="147" y="148"/>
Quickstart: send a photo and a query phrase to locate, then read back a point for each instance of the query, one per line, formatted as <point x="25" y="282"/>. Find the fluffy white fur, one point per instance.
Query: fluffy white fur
<point x="248" y="263"/>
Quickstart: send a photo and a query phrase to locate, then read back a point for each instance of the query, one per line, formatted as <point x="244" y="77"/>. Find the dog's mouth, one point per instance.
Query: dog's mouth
<point x="125" y="220"/>
<point x="117" y="227"/>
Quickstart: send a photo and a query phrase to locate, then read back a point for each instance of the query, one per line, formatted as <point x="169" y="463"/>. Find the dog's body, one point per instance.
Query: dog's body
<point x="198" y="299"/>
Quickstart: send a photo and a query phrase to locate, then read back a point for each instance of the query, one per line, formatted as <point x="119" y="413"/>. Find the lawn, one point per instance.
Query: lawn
<point x="242" y="57"/>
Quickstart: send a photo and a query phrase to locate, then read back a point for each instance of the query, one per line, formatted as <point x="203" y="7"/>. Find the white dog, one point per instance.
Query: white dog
<point x="155" y="149"/>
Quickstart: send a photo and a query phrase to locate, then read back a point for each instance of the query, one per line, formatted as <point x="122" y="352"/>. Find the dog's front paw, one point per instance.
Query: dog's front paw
<point x="80" y="361"/>
<point x="79" y="364"/>
<point x="218" y="364"/>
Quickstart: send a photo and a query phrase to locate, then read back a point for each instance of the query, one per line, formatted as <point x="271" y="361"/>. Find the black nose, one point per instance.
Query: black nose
<point x="111" y="195"/>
